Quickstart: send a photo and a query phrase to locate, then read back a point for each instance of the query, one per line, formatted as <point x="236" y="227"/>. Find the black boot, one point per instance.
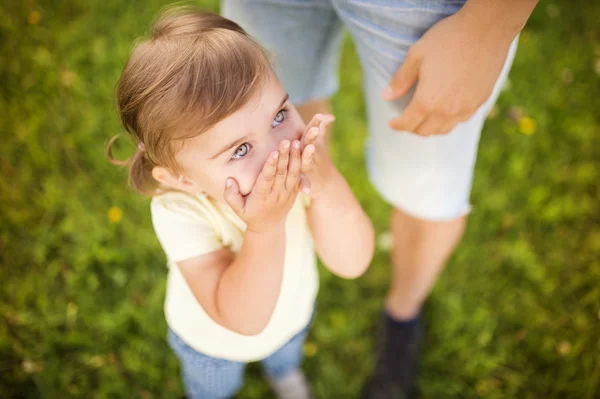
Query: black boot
<point x="398" y="353"/>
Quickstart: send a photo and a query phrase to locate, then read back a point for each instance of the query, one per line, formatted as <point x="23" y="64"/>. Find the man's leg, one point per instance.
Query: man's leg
<point x="427" y="180"/>
<point x="421" y="249"/>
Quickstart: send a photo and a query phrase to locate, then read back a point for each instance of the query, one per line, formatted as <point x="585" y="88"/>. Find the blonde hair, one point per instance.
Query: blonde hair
<point x="195" y="69"/>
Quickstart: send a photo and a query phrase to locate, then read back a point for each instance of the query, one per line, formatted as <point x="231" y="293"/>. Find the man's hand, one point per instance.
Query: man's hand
<point x="274" y="192"/>
<point x="455" y="65"/>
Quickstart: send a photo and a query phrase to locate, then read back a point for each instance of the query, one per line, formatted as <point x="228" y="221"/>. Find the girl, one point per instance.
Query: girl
<point x="225" y="156"/>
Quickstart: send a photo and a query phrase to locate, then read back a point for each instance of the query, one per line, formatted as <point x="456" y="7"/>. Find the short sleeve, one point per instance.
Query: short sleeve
<point x="182" y="231"/>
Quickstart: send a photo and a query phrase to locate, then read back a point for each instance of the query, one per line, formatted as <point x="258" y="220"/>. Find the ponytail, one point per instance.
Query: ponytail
<point x="140" y="169"/>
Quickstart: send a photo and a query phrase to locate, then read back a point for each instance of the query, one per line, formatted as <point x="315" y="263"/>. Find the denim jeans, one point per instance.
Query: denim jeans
<point x="207" y="377"/>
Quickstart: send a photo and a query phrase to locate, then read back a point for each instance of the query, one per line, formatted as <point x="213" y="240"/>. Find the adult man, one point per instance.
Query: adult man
<point x="431" y="68"/>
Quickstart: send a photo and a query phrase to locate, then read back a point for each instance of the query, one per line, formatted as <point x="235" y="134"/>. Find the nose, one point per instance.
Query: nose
<point x="275" y="141"/>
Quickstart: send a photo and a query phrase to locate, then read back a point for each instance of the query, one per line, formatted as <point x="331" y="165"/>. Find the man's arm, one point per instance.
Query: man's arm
<point x="504" y="17"/>
<point x="456" y="64"/>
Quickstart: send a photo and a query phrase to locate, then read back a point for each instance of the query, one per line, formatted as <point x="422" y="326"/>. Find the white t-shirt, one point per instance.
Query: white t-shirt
<point x="188" y="226"/>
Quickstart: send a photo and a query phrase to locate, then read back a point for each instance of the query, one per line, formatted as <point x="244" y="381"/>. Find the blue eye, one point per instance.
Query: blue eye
<point x="279" y="118"/>
<point x="241" y="151"/>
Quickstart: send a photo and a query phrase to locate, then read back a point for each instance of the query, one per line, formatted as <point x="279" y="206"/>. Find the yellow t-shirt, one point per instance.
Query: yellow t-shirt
<point x="188" y="226"/>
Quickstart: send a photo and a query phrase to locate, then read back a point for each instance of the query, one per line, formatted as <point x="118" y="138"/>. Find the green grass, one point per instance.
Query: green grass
<point x="515" y="315"/>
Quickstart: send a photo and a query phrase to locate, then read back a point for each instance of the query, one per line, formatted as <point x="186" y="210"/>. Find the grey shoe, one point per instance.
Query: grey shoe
<point x="293" y="386"/>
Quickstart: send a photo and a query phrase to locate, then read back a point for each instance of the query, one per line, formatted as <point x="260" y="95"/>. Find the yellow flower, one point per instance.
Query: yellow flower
<point x="97" y="361"/>
<point x="527" y="125"/>
<point x="310" y="349"/>
<point x="30" y="366"/>
<point x="72" y="309"/>
<point x="68" y="78"/>
<point x="34" y="17"/>
<point x="115" y="214"/>
<point x="564" y="348"/>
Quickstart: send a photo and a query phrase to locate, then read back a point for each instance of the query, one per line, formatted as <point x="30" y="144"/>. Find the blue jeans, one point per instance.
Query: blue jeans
<point x="207" y="377"/>
<point x="428" y="178"/>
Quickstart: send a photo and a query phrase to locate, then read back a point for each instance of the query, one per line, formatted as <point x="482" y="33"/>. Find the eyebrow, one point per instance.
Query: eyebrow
<point x="243" y="139"/>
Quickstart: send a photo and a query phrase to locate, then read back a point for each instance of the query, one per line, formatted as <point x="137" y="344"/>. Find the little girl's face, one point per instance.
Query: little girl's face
<point x="238" y="146"/>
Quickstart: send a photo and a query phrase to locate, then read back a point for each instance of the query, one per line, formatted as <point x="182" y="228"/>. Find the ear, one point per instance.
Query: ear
<point x="179" y="182"/>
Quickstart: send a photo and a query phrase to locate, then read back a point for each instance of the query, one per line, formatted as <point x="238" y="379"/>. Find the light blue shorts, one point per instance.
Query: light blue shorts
<point x="429" y="178"/>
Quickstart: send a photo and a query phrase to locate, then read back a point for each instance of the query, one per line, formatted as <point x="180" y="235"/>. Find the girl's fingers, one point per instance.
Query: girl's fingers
<point x="324" y="125"/>
<point x="282" y="164"/>
<point x="315" y="121"/>
<point x="305" y="185"/>
<point x="294" y="168"/>
<point x="311" y="136"/>
<point x="265" y="180"/>
<point x="307" y="157"/>
<point x="317" y="127"/>
<point x="232" y="196"/>
<point x="328" y="118"/>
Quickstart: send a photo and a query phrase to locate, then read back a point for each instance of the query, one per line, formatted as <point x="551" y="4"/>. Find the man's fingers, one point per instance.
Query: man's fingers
<point x="282" y="164"/>
<point x="432" y="125"/>
<point x="404" y="78"/>
<point x="451" y="124"/>
<point x="441" y="124"/>
<point x="294" y="167"/>
<point x="411" y="118"/>
<point x="233" y="197"/>
<point x="265" y="180"/>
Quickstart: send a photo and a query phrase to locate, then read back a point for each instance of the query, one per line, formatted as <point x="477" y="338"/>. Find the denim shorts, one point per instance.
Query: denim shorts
<point x="428" y="178"/>
<point x="206" y="377"/>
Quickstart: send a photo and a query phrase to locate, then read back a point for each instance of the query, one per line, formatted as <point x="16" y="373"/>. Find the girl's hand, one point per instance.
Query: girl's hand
<point x="317" y="166"/>
<point x="274" y="192"/>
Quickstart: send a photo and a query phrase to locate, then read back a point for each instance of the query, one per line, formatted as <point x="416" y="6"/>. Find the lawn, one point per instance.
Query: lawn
<point x="515" y="315"/>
